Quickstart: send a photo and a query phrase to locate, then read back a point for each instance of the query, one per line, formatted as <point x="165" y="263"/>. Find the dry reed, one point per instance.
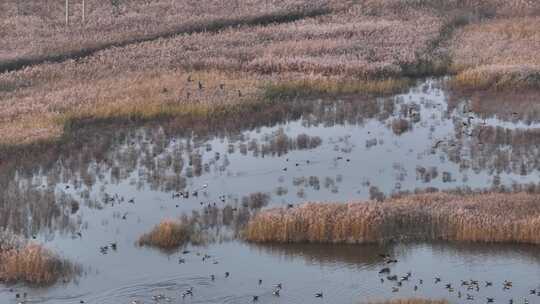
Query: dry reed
<point x="167" y="235"/>
<point x="491" y="217"/>
<point x="31" y="263"/>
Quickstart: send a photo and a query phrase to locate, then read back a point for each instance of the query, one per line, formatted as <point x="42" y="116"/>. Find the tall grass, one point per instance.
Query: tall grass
<point x="31" y="263"/>
<point x="510" y="62"/>
<point x="491" y="217"/>
<point x="34" y="31"/>
<point x="168" y="235"/>
<point x="328" y="47"/>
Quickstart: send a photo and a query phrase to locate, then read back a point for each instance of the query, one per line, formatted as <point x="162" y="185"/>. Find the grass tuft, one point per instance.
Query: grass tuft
<point x="23" y="262"/>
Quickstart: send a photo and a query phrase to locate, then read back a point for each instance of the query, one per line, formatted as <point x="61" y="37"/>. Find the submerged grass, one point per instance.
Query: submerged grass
<point x="492" y="217"/>
<point x="24" y="262"/>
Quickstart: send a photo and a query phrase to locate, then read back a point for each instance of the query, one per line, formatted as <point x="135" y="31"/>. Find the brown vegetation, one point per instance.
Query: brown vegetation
<point x="490" y="217"/>
<point x="325" y="47"/>
<point x="499" y="54"/>
<point x="31" y="263"/>
<point x="168" y="234"/>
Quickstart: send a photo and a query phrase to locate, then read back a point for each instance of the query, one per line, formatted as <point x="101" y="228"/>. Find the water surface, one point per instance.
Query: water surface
<point x="115" y="184"/>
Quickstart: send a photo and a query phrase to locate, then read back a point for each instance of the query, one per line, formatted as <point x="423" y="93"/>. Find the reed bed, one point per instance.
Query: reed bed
<point x="31" y="263"/>
<point x="489" y="217"/>
<point x="34" y="31"/>
<point x="510" y="62"/>
<point x="237" y="65"/>
<point x="130" y="65"/>
<point x="168" y="235"/>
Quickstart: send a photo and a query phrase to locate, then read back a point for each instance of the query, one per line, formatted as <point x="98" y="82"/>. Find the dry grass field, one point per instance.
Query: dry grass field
<point x="491" y="217"/>
<point x="146" y="60"/>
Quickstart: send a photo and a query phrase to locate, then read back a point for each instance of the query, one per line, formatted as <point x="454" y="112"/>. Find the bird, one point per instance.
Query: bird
<point x="200" y="85"/>
<point x="319" y="295"/>
<point x="437" y="280"/>
<point x="260" y="282"/>
<point x="490" y="300"/>
<point x="255" y="298"/>
<point x="276" y="292"/>
<point x="227" y="274"/>
<point x="187" y="292"/>
<point x="384" y="270"/>
<point x="212" y="277"/>
<point x="395" y="289"/>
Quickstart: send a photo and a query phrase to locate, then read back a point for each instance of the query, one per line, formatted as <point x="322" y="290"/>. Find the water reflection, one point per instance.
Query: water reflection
<point x="322" y="147"/>
<point x="112" y="183"/>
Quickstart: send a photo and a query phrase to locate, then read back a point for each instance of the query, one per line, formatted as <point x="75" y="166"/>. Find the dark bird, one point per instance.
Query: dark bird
<point x="490" y="300"/>
<point x="200" y="86"/>
<point x="255" y="298"/>
<point x="392" y="278"/>
<point x="239" y="93"/>
<point x="227" y="274"/>
<point x="437" y="280"/>
<point x="319" y="295"/>
<point x="260" y="282"/>
<point x="384" y="270"/>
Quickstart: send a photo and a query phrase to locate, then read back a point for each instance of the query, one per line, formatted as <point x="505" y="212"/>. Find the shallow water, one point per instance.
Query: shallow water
<point x="337" y="151"/>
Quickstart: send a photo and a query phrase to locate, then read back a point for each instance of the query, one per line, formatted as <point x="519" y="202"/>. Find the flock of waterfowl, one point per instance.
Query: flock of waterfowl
<point x="466" y="289"/>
